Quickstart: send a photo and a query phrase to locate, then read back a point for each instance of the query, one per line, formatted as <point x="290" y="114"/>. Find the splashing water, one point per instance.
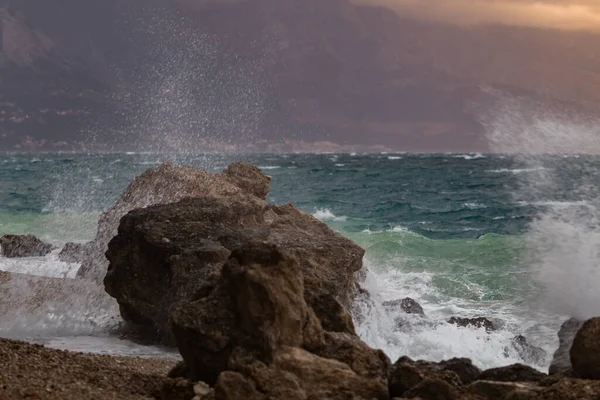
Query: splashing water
<point x="564" y="242"/>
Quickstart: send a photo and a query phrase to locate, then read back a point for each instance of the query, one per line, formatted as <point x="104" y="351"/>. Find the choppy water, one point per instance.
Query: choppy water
<point x="510" y="238"/>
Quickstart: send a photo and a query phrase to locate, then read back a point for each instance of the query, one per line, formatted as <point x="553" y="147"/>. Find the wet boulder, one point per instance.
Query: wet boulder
<point x="561" y="361"/>
<point x="585" y="351"/>
<point x="512" y="373"/>
<point x="18" y="246"/>
<point x="407" y="305"/>
<point x="253" y="335"/>
<point x="479" y="322"/>
<point x="168" y="253"/>
<point x="407" y="374"/>
<point x="528" y="352"/>
<point x="165" y="184"/>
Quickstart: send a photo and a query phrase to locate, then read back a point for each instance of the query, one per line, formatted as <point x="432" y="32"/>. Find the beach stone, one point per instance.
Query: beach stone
<point x="479" y="322"/>
<point x="407" y="305"/>
<point x="571" y="389"/>
<point x="585" y="351"/>
<point x="494" y="390"/>
<point x="18" y="246"/>
<point x="165" y="184"/>
<point x="561" y="360"/>
<point x="512" y="373"/>
<point x="169" y="253"/>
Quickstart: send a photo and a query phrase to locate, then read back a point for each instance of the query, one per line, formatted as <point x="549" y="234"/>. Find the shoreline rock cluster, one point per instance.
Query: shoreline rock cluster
<point x="258" y="299"/>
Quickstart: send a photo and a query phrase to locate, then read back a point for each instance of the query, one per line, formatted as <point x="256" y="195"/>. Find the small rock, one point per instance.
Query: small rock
<point x="561" y="360"/>
<point x="492" y="390"/>
<point x="177" y="389"/>
<point x="73" y="252"/>
<point x="201" y="389"/>
<point x="479" y="322"/>
<point x="585" y="351"/>
<point x="513" y="373"/>
<point x="528" y="352"/>
<point x="17" y="246"/>
<point x="407" y="305"/>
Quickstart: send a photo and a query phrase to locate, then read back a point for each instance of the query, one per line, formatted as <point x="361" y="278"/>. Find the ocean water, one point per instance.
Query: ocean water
<point x="511" y="238"/>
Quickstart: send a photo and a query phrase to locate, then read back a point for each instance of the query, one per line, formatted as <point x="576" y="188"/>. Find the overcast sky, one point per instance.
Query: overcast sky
<point x="562" y="14"/>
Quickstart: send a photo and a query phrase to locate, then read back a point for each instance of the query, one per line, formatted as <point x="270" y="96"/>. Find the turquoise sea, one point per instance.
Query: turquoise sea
<point x="512" y="238"/>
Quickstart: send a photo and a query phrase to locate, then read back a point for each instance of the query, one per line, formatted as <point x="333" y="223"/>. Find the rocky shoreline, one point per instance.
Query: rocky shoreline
<point x="259" y="301"/>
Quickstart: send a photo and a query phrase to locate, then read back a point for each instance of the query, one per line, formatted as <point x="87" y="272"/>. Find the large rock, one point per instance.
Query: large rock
<point x="561" y="360"/>
<point x="168" y="253"/>
<point x="17" y="246"/>
<point x="253" y="335"/>
<point x="164" y="184"/>
<point x="585" y="351"/>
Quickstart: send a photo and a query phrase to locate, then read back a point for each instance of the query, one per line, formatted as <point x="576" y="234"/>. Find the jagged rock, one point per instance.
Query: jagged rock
<point x="74" y="252"/>
<point x="463" y="367"/>
<point x="512" y="373"/>
<point x="528" y="352"/>
<point x="434" y="389"/>
<point x="561" y="361"/>
<point x="177" y="389"/>
<point x="585" y="351"/>
<point x="493" y="390"/>
<point x="18" y="246"/>
<point x="406" y="374"/>
<point x="407" y="305"/>
<point x="254" y="336"/>
<point x="479" y="322"/>
<point x="167" y="253"/>
<point x="165" y="184"/>
<point x="571" y="389"/>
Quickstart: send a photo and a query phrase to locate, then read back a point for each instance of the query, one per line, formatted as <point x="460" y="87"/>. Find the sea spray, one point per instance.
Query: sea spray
<point x="563" y="242"/>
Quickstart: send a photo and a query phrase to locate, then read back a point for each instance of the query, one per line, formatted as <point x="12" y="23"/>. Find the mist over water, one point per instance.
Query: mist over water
<point x="563" y="242"/>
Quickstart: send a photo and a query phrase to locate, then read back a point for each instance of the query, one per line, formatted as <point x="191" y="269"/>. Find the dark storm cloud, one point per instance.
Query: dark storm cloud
<point x="560" y="14"/>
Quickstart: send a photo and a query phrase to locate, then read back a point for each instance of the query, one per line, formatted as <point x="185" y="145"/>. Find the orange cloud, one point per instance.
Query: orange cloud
<point x="573" y="15"/>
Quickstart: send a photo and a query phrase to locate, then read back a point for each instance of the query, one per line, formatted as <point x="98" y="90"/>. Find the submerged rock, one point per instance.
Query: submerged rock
<point x="407" y="305"/>
<point x="169" y="253"/>
<point x="479" y="322"/>
<point x="585" y="351"/>
<point x="528" y="352"/>
<point x="74" y="252"/>
<point x="17" y="246"/>
<point x="254" y="336"/>
<point x="164" y="184"/>
<point x="561" y="360"/>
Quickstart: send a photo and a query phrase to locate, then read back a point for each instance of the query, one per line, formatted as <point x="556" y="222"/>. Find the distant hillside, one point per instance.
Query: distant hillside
<point x="267" y="74"/>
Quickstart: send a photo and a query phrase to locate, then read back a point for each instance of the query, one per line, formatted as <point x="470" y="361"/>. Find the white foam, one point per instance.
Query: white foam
<point x="267" y="167"/>
<point x="473" y="205"/>
<point x="432" y="338"/>
<point x="49" y="266"/>
<point x="517" y="171"/>
<point x="324" y="214"/>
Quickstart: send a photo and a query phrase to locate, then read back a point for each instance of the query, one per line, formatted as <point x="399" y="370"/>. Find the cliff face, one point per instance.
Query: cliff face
<point x="173" y="74"/>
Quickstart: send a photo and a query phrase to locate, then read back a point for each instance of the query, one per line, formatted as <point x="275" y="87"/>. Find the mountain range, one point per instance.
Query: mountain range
<point x="272" y="75"/>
